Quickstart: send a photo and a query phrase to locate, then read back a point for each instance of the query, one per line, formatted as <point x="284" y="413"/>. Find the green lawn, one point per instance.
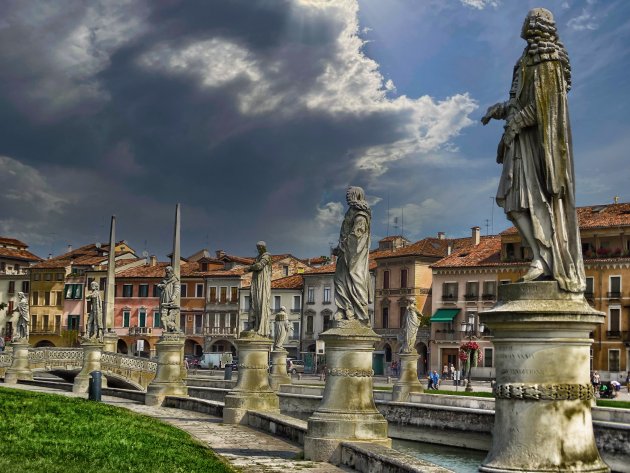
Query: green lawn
<point x="48" y="433"/>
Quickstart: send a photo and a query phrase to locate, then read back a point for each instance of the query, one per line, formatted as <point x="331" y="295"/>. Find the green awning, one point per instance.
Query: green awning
<point x="444" y="315"/>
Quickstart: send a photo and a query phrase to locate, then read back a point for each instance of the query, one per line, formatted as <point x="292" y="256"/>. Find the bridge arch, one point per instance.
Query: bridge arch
<point x="121" y="347"/>
<point x="44" y="344"/>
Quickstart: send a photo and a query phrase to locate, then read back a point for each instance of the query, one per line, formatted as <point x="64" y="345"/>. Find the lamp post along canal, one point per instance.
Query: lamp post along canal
<point x="469" y="330"/>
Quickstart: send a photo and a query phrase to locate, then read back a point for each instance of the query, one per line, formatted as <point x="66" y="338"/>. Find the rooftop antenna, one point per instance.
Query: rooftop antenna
<point x="402" y="221"/>
<point x="396" y="224"/>
<point x="492" y="214"/>
<point x="387" y="213"/>
<point x="487" y="225"/>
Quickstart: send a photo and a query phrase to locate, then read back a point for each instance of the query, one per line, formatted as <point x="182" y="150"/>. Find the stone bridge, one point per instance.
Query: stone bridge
<point x="131" y="372"/>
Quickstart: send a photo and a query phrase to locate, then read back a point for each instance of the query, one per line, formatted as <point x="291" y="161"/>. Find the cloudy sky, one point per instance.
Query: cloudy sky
<point x="257" y="114"/>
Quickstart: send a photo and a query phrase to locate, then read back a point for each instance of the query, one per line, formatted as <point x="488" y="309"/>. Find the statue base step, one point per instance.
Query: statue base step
<point x="19" y="370"/>
<point x="543" y="422"/>
<point x="252" y="390"/>
<point x="170" y="373"/>
<point x="279" y="373"/>
<point x="408" y="381"/>
<point x="347" y="411"/>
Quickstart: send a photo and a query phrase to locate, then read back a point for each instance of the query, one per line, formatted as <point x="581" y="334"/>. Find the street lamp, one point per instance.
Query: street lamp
<point x="468" y="330"/>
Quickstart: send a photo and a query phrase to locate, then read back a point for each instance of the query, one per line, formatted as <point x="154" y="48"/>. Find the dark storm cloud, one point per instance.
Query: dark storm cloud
<point x="252" y="114"/>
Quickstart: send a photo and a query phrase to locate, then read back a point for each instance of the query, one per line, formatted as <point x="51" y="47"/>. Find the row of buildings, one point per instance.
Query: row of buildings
<point x="452" y="280"/>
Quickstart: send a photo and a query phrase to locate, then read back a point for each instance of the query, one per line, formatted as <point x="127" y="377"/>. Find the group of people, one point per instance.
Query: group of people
<point x="607" y="389"/>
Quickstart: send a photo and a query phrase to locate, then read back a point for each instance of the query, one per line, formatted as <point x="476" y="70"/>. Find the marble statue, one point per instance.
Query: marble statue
<point x="95" y="319"/>
<point x="537" y="185"/>
<point x="412" y="321"/>
<point x="21" y="328"/>
<point x="282" y="328"/>
<point x="169" y="297"/>
<point x="352" y="276"/>
<point x="261" y="289"/>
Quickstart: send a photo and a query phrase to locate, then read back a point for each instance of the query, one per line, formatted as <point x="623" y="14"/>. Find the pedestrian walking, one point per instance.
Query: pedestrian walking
<point x="435" y="378"/>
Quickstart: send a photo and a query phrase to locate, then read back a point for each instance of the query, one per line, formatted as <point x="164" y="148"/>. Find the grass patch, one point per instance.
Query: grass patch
<point x="55" y="434"/>
<point x="611" y="403"/>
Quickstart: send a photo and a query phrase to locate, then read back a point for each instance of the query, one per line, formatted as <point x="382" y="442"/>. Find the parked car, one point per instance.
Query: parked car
<point x="295" y="366"/>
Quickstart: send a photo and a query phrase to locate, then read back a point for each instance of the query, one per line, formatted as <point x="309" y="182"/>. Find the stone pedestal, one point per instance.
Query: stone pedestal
<point x="110" y="342"/>
<point x="92" y="352"/>
<point x="543" y="392"/>
<point x="19" y="370"/>
<point x="252" y="390"/>
<point x="347" y="411"/>
<point x="408" y="381"/>
<point x="170" y="374"/>
<point x="279" y="373"/>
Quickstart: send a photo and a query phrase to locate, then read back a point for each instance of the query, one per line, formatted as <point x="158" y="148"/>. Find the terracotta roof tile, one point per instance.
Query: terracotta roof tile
<point x="326" y="269"/>
<point x="290" y="282"/>
<point x="486" y="253"/>
<point x="429" y="247"/>
<point x="23" y="255"/>
<point x="12" y="242"/>
<point x="597" y="216"/>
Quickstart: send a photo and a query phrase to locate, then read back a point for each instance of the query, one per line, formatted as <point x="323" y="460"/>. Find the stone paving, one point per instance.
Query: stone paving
<point x="249" y="450"/>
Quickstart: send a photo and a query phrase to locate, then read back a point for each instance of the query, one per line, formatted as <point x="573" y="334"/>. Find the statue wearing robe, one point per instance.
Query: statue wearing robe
<point x="410" y="330"/>
<point x="95" y="319"/>
<point x="352" y="276"/>
<point x="169" y="301"/>
<point x="21" y="329"/>
<point x="537" y="186"/>
<point x="261" y="289"/>
<point x="282" y="328"/>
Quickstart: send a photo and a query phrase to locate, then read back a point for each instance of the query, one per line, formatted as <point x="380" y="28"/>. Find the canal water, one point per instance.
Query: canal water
<point x="457" y="459"/>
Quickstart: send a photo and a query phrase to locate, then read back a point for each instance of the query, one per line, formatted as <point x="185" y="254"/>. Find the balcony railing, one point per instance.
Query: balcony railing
<point x="625" y="336"/>
<point x="296" y="310"/>
<point x="488" y="297"/>
<point x="388" y="332"/>
<point x="471" y="297"/>
<point x="449" y="297"/>
<point x="138" y="331"/>
<point x="614" y="295"/>
<point x="442" y="335"/>
<point x="41" y="329"/>
<point x="613" y="334"/>
<point x="220" y="331"/>
<point x="589" y="296"/>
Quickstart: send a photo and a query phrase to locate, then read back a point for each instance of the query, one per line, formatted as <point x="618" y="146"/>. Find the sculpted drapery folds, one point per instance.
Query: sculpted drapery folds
<point x="282" y="328"/>
<point x="95" y="319"/>
<point x="261" y="289"/>
<point x="352" y="276"/>
<point x="169" y="301"/>
<point x="21" y="329"/>
<point x="412" y="321"/>
<point x="537" y="186"/>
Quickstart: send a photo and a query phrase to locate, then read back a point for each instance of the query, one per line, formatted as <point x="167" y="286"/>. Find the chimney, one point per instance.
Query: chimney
<point x="153" y="260"/>
<point x="476" y="235"/>
<point x="220" y="254"/>
<point x="69" y="248"/>
<point x="49" y="255"/>
<point x="449" y="248"/>
<point x="616" y="199"/>
<point x="441" y="235"/>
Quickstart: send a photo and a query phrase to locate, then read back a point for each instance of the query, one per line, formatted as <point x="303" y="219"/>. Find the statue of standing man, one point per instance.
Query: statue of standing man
<point x="352" y="275"/>
<point x="261" y="289"/>
<point x="21" y="328"/>
<point x="282" y="327"/>
<point x="95" y="320"/>
<point x="537" y="186"/>
<point x="412" y="322"/>
<point x="169" y="297"/>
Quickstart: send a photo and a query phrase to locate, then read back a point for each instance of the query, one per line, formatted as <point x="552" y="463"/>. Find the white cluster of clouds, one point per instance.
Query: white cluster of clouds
<point x="480" y="4"/>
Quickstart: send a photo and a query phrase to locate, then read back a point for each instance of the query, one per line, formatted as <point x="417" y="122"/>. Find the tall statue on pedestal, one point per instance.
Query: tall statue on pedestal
<point x="282" y="328"/>
<point x="537" y="186"/>
<point x="352" y="275"/>
<point x="95" y="320"/>
<point x="21" y="328"/>
<point x="169" y="298"/>
<point x="261" y="289"/>
<point x="412" y="321"/>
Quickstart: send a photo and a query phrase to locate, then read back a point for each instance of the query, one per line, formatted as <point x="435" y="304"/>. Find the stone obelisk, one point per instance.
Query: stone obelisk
<point x="170" y="374"/>
<point x="110" y="338"/>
